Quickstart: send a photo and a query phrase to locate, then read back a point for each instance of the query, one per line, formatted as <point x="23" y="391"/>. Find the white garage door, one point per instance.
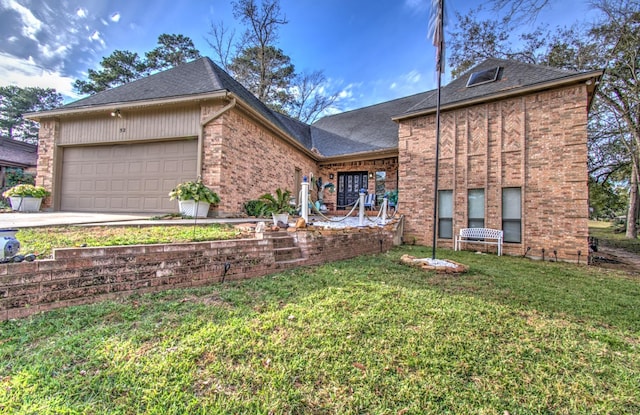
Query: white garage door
<point x="126" y="177"/>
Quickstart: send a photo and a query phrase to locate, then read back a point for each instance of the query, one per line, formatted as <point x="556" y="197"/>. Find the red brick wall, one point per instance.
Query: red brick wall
<point x="243" y="160"/>
<point x="389" y="165"/>
<point x="47" y="151"/>
<point x="536" y="142"/>
<point x="86" y="275"/>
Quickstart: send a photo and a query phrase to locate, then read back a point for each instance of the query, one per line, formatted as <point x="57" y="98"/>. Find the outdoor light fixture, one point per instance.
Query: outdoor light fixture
<point x="331" y="175"/>
<point x="116" y="113"/>
<point x="370" y="175"/>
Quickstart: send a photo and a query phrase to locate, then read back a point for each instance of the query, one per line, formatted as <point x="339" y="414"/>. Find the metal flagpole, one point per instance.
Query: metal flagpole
<point x="437" y="26"/>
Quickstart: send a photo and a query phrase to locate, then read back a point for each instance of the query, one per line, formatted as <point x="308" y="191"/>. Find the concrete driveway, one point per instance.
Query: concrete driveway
<point x="15" y="220"/>
<point x="37" y="219"/>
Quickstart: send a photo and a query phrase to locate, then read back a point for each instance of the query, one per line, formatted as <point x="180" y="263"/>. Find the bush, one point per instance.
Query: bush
<point x="14" y="177"/>
<point x="26" y="190"/>
<point x="255" y="208"/>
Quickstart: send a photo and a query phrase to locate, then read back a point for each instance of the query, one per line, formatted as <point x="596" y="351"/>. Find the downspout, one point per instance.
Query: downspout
<point x="203" y="123"/>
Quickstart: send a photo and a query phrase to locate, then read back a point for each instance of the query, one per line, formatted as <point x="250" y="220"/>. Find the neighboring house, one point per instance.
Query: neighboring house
<point x="513" y="151"/>
<point x="17" y="154"/>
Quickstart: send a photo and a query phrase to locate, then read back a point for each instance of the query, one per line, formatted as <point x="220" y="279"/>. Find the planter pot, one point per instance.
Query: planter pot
<point x="280" y="217"/>
<point x="25" y="204"/>
<point x="193" y="208"/>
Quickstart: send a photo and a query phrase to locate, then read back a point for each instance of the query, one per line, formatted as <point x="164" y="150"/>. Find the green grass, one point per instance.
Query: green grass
<point x="41" y="241"/>
<point x="367" y="335"/>
<point x="613" y="236"/>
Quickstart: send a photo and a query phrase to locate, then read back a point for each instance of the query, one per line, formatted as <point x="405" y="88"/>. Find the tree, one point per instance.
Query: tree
<point x="174" y="50"/>
<point x="309" y="96"/>
<point x="119" y="68"/>
<point x="124" y="66"/>
<point x="474" y="41"/>
<point x="15" y="102"/>
<point x="264" y="69"/>
<point x="267" y="73"/>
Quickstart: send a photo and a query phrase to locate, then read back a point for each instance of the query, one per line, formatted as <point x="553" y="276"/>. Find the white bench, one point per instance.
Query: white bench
<point x="484" y="236"/>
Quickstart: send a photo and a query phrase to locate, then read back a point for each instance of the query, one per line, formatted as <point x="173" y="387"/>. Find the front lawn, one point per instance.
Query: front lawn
<point x="41" y="241"/>
<point x="367" y="335"/>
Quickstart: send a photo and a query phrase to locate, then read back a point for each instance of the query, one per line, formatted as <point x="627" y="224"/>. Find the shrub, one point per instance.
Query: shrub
<point x="26" y="190"/>
<point x="255" y="208"/>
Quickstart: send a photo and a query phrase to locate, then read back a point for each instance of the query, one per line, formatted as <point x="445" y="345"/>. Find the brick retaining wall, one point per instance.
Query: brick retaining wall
<point x="87" y="275"/>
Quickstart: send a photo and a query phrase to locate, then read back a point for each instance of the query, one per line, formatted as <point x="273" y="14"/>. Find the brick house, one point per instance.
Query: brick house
<point x="513" y="151"/>
<point x="17" y="155"/>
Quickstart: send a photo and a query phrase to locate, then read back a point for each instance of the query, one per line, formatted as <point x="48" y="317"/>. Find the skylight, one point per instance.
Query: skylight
<point x="483" y="77"/>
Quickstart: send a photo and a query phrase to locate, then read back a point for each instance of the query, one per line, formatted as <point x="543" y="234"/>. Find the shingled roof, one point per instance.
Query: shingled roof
<point x="195" y="78"/>
<point x="17" y="154"/>
<point x="368" y="129"/>
<point x="512" y="76"/>
<point x="365" y="129"/>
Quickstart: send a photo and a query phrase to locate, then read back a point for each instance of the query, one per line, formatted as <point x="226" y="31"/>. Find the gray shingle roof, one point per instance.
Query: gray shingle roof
<point x="198" y="77"/>
<point x="17" y="154"/>
<point x="363" y="130"/>
<point x="513" y="75"/>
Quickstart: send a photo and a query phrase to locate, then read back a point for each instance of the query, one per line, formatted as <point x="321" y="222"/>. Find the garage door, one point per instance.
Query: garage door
<point x="126" y="178"/>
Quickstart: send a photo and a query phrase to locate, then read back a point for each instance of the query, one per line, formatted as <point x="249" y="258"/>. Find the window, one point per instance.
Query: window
<point x="512" y="214"/>
<point x="476" y="208"/>
<point x="483" y="77"/>
<point x="445" y="214"/>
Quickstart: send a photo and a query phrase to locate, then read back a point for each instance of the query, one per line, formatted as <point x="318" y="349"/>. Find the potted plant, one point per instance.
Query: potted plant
<point x="194" y="198"/>
<point x="392" y="198"/>
<point x="320" y="188"/>
<point x="26" y="197"/>
<point x="279" y="205"/>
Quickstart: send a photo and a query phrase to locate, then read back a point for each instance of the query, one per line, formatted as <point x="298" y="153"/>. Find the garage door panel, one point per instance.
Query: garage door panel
<point x="126" y="178"/>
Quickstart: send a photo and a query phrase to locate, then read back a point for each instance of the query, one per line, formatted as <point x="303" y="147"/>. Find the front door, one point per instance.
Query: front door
<point x="349" y="185"/>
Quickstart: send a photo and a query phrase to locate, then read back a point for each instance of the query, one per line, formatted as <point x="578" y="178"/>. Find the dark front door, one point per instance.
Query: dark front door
<point x="349" y="185"/>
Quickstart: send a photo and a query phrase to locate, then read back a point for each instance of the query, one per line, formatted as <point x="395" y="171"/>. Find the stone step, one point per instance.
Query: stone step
<point x="287" y="254"/>
<point x="292" y="263"/>
<point x="283" y="242"/>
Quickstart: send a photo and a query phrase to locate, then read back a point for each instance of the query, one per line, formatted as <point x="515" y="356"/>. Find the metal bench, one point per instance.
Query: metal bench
<point x="484" y="236"/>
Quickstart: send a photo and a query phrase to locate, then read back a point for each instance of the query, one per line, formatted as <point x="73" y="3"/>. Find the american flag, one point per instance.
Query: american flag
<point x="436" y="32"/>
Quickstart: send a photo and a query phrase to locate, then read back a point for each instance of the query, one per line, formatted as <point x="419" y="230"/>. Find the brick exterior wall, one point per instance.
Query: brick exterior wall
<point x="243" y="160"/>
<point x="389" y="165"/>
<point x="47" y="156"/>
<point x="87" y="275"/>
<point x="536" y="142"/>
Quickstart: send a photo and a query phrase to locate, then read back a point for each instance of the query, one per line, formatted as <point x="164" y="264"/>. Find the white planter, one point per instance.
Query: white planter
<point x="280" y="217"/>
<point x="193" y="208"/>
<point x="25" y="204"/>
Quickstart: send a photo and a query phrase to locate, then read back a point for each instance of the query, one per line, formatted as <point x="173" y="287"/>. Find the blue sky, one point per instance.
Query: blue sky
<point x="370" y="51"/>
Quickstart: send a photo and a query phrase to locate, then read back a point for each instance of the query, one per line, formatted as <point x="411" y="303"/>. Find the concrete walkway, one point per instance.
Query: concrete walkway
<point x="14" y="220"/>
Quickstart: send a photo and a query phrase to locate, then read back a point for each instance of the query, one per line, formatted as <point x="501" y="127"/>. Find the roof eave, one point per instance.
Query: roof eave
<point x="593" y="76"/>
<point x="361" y="156"/>
<point x="60" y="112"/>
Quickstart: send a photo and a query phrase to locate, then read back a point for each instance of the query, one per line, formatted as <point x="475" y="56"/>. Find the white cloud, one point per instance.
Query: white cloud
<point x="30" y="24"/>
<point x="413" y="77"/>
<point x="25" y="73"/>
<point x="48" y="52"/>
<point x="115" y="17"/>
<point x="81" y="12"/>
<point x="96" y="37"/>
